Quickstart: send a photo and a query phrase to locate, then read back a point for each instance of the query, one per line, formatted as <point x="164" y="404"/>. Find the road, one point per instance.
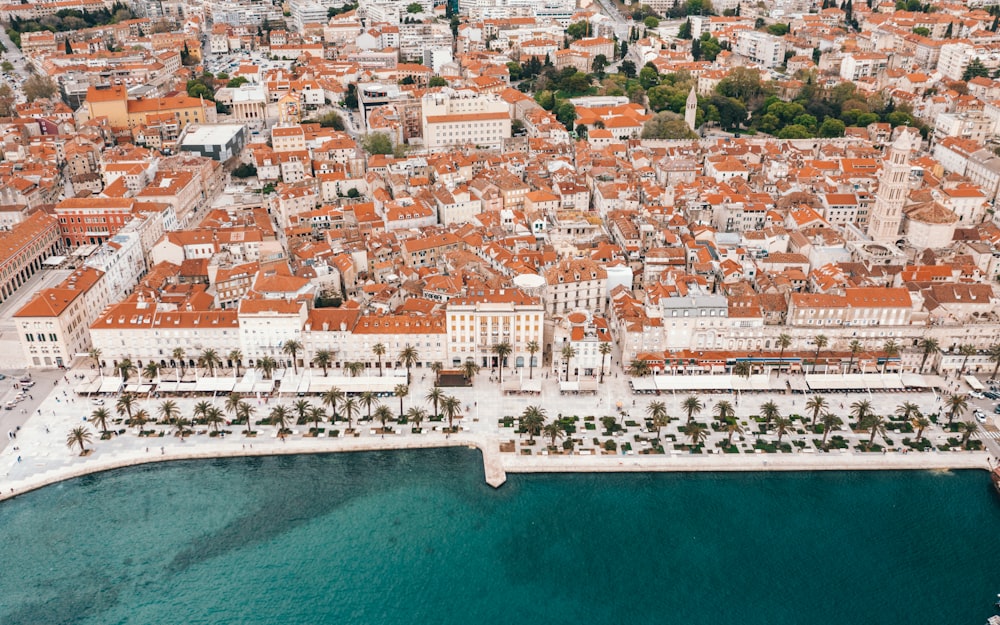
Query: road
<point x="15" y="57"/>
<point x="622" y="25"/>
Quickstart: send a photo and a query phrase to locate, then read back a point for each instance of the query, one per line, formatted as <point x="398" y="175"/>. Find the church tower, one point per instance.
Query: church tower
<point x="887" y="213"/>
<point x="691" y="109"/>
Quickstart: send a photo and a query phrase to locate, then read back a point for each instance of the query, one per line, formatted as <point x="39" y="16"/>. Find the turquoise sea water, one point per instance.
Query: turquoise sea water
<point x="417" y="537"/>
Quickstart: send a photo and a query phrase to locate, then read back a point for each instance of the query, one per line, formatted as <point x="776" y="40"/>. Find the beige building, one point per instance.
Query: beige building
<point x="450" y="118"/>
<point x="575" y="284"/>
<point x="53" y="326"/>
<point x="477" y="323"/>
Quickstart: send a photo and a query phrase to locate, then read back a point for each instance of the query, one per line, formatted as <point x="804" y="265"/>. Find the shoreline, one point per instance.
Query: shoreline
<point x="497" y="465"/>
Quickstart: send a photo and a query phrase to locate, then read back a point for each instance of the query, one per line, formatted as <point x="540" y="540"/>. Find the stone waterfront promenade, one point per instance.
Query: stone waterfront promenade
<point x="39" y="456"/>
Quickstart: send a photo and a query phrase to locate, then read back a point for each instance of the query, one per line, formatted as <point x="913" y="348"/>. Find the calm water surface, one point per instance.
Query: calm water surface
<point x="417" y="537"/>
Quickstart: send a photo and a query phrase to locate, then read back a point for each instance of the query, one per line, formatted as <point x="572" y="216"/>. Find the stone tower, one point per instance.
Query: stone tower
<point x="887" y="213"/>
<point x="691" y="109"/>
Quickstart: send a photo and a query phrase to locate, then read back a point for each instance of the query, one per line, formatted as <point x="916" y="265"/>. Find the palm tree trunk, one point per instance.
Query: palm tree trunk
<point x="850" y="363"/>
<point x="729" y="439"/>
<point x="781" y="360"/>
<point x="923" y="362"/>
<point x="531" y="367"/>
<point x="920" y="434"/>
<point x="826" y="432"/>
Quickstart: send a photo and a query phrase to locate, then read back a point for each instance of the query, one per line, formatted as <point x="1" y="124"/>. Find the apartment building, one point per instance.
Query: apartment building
<point x="575" y="284"/>
<point x="24" y="248"/>
<point x="450" y="118"/>
<point x="478" y="322"/>
<point x="760" y="48"/>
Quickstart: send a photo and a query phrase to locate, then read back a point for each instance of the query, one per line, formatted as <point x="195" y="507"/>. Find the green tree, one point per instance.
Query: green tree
<point x="451" y="407"/>
<point x="794" y="131"/>
<point x="245" y="170"/>
<point x="957" y="405"/>
<point x="831" y="127"/>
<point x="696" y="432"/>
<point x="927" y="347"/>
<point x="501" y="351"/>
<point x="532" y="420"/>
<point x="818" y="404"/>
<point x="79" y="436"/>
<point x="236" y="83"/>
<point x="784" y="342"/>
<point x="778" y="30"/>
<point x="292" y="348"/>
<point x="830" y="423"/>
<point x="692" y="406"/>
<point x="578" y="30"/>
<point x="648" y="77"/>
<point x="438" y="81"/>
<point x="769" y="410"/>
<point x="975" y="69"/>
<point x="657" y="412"/>
<point x="781" y="427"/>
<point x="545" y="99"/>
<point x="599" y="64"/>
<point x="651" y="22"/>
<point x="409" y="357"/>
<point x="377" y="143"/>
<point x="566" y="114"/>
<point x="553" y="431"/>
<point x="627" y="68"/>
<point x="684" y="32"/>
<point x="414" y="7"/>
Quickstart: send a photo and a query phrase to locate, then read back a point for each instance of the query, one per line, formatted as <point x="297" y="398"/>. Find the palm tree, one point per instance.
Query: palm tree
<point x="781" y="427"/>
<point x="266" y="366"/>
<point x="236" y="357"/>
<point x="436" y="368"/>
<point x="301" y="408"/>
<point x="450" y="407"/>
<point x="724" y="411"/>
<point x="95" y="355"/>
<point x="861" y="409"/>
<point x="350" y="406"/>
<point x="957" y="405"/>
<point x="279" y="417"/>
<point x="78" y="436"/>
<point x="292" y="348"/>
<point x="921" y="423"/>
<point x="568" y="354"/>
<point x="178" y="355"/>
<point x="907" y="409"/>
<point x="330" y="398"/>
<point x="876" y="424"/>
<point x="169" y="411"/>
<point x="383" y="414"/>
<point x="208" y="359"/>
<point x="355" y="368"/>
<point x="830" y="422"/>
<point x="743" y="369"/>
<point x="784" y="342"/>
<point x="232" y="403"/>
<point x="692" y="405"/>
<point x="415" y="415"/>
<point x="151" y="370"/>
<point x="639" y="368"/>
<point x="434" y="396"/>
<point x="928" y="346"/>
<point x="140" y="418"/>
<point x="696" y="432"/>
<point x="125" y="404"/>
<point x="532" y="420"/>
<point x="968" y="429"/>
<point x="821" y="342"/>
<point x="201" y="409"/>
<point x="855" y="348"/>
<point x="553" y="430"/>
<point x="379" y="350"/>
<point x="604" y="349"/>
<point x="409" y="357"/>
<point x="816" y="403"/>
<point x="891" y="349"/>
<point x="732" y="427"/>
<point x="533" y="349"/>
<point x="401" y="391"/>
<point x="368" y="399"/>
<point x="245" y="410"/>
<point x="770" y="412"/>
<point x="100" y="418"/>
<point x="501" y="350"/>
<point x="214" y="417"/>
<point x="657" y="411"/>
<point x="470" y="370"/>
<point x="317" y="414"/>
<point x="180" y="426"/>
<point x="994" y="354"/>
<point x="126" y="369"/>
<point x="323" y="358"/>
<point x="966" y="351"/>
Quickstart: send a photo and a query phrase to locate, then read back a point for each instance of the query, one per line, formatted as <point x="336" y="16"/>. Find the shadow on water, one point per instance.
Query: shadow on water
<point x="91" y="598"/>
<point x="323" y="484"/>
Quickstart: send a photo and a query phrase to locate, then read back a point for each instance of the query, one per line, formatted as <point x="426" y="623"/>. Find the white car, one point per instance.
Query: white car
<point x="980" y="417"/>
<point x="977" y="395"/>
<point x="97" y="401"/>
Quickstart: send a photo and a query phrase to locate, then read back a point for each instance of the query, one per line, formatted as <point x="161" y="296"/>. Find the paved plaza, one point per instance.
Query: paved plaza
<point x="39" y="454"/>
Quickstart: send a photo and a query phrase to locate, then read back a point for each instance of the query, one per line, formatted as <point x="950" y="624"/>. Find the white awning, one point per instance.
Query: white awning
<point x="643" y="384"/>
<point x="215" y="385"/>
<point x="569" y="386"/>
<point x="111" y="385"/>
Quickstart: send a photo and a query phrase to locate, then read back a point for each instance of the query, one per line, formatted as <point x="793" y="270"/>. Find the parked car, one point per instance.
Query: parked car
<point x="977" y="395"/>
<point x="97" y="401"/>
